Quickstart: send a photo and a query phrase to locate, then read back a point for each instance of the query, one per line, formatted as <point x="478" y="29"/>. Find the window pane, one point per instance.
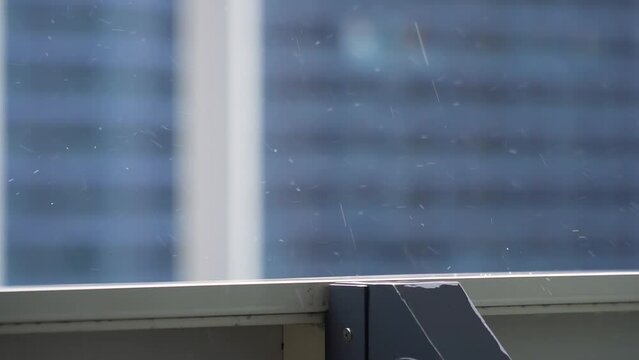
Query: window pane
<point x="439" y="136"/>
<point x="160" y="140"/>
<point x="89" y="143"/>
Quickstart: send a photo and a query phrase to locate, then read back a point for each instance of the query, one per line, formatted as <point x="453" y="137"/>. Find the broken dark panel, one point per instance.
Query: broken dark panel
<point x="409" y="321"/>
<point x="427" y="321"/>
<point x="393" y="332"/>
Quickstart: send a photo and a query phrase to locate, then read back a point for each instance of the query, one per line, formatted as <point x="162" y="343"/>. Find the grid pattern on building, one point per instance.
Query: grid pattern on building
<point x="438" y="136"/>
<point x="89" y="166"/>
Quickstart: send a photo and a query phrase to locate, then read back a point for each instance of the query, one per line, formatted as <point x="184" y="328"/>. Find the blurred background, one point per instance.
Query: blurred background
<point x="159" y="140"/>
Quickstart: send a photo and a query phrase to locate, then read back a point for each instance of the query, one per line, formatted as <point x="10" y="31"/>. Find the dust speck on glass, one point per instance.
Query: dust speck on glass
<point x="397" y="137"/>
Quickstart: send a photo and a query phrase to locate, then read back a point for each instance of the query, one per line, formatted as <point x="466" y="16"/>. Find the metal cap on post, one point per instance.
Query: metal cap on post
<point x="434" y="320"/>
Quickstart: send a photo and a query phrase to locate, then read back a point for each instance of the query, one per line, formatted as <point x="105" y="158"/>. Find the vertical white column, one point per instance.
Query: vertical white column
<point x="219" y="117"/>
<point x="245" y="139"/>
<point x="202" y="143"/>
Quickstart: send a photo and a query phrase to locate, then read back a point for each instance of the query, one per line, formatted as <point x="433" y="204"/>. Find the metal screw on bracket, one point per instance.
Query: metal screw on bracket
<point x="347" y="334"/>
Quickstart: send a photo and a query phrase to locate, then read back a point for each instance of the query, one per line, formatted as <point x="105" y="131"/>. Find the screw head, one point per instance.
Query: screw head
<point x="347" y="334"/>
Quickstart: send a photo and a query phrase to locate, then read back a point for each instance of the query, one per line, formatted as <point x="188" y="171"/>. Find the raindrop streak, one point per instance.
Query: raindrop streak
<point x="341" y="209"/>
<point x="435" y="88"/>
<point x="350" y="229"/>
<point x="543" y="160"/>
<point x="421" y="43"/>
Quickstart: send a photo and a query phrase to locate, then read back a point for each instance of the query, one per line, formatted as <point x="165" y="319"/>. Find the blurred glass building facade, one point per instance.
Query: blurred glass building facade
<point x="399" y="137"/>
<point x="89" y="117"/>
<point x="450" y="136"/>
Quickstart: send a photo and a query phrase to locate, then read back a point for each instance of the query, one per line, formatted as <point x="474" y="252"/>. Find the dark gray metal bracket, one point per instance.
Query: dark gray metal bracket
<point x="406" y="321"/>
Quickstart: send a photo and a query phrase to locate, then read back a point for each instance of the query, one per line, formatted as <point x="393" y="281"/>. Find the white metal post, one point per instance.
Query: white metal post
<point x="245" y="139"/>
<point x="202" y="149"/>
<point x="219" y="117"/>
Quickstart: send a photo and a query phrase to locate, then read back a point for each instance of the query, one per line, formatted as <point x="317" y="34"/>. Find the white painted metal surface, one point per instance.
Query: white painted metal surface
<point x="245" y="47"/>
<point x="202" y="146"/>
<point x="290" y="301"/>
<point x="237" y="343"/>
<point x="568" y="336"/>
<point x="219" y="139"/>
